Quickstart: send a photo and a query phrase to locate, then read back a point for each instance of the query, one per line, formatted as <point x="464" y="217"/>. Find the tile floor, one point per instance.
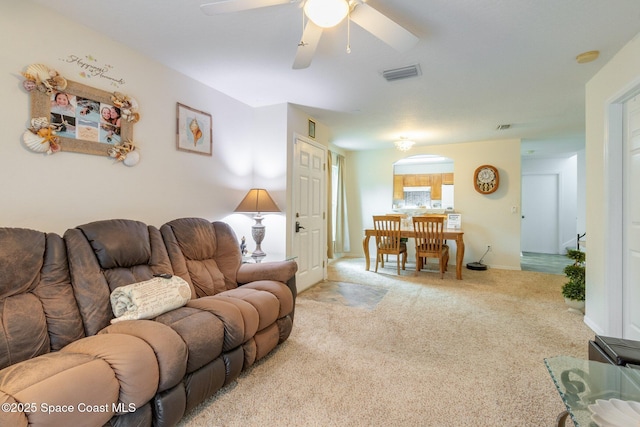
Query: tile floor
<point x="544" y="263"/>
<point x="348" y="294"/>
<point x="367" y="297"/>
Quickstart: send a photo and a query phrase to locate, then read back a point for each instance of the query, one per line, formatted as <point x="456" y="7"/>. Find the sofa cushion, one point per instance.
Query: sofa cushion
<point x="206" y="277"/>
<point x="118" y="243"/>
<point x="93" y="282"/>
<point x="59" y="379"/>
<point x="265" y="304"/>
<point x="38" y="312"/>
<point x="196" y="238"/>
<point x="205" y="254"/>
<point x="148" y="299"/>
<point x="132" y="361"/>
<point x="21" y="260"/>
<point x="170" y="349"/>
<point x="202" y="332"/>
<point x="279" y="290"/>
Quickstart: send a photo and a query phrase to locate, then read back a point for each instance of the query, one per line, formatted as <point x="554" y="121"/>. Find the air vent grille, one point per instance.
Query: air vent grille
<point x="402" y="73"/>
<point x="503" y="127"/>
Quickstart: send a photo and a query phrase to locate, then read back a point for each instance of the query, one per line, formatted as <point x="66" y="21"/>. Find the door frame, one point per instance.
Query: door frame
<point x="290" y="212"/>
<point x="614" y="214"/>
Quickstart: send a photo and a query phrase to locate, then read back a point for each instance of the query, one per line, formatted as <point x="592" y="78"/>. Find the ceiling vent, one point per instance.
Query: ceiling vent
<point x="402" y="73"/>
<point x="503" y="127"/>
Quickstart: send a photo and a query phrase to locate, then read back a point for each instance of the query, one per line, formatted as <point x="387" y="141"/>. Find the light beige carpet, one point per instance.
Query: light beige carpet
<point x="373" y="349"/>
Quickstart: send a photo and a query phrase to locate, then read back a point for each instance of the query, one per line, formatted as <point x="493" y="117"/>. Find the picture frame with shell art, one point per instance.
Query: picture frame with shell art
<point x="193" y="130"/>
<point x="67" y="116"/>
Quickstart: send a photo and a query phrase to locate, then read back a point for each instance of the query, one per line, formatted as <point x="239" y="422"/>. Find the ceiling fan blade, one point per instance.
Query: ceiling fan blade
<point x="307" y="47"/>
<point x="228" y="6"/>
<point x="383" y="27"/>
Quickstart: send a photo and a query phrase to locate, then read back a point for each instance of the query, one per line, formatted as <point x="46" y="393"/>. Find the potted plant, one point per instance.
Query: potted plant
<point x="574" y="290"/>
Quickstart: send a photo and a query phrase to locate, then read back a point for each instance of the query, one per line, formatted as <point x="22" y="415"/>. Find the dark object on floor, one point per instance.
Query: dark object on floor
<point x="476" y="266"/>
<point x="479" y="265"/>
<point x="615" y="351"/>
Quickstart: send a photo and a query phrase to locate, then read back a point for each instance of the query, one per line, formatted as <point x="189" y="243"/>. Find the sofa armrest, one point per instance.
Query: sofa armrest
<point x="280" y="271"/>
<point x="65" y="381"/>
<point x="132" y="361"/>
<point x="169" y="348"/>
<point x="85" y="383"/>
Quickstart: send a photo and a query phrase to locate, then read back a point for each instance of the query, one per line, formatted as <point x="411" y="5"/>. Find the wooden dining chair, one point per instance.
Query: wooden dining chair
<point x="429" y="237"/>
<point x="387" y="233"/>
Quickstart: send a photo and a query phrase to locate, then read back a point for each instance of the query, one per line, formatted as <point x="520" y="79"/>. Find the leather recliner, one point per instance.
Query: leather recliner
<point x="59" y="347"/>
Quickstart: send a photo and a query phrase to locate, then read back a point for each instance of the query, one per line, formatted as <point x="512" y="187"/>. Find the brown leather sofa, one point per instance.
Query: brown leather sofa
<point x="62" y="360"/>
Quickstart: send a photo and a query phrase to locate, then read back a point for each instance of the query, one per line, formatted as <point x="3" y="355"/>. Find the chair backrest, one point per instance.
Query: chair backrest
<point x="429" y="233"/>
<point x="205" y="254"/>
<point x="38" y="312"/>
<point x="105" y="255"/>
<point x="387" y="231"/>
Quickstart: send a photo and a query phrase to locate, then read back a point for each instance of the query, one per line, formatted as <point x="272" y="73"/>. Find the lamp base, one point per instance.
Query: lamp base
<point x="257" y="232"/>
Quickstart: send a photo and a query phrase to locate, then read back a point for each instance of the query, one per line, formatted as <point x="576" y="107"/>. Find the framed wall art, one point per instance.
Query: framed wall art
<point x="193" y="130"/>
<point x="87" y="119"/>
<point x="312" y="129"/>
<point x="70" y="116"/>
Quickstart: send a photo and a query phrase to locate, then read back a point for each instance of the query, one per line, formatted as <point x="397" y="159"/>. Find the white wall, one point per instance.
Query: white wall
<point x="567" y="171"/>
<point x="56" y="192"/>
<point x="581" y="196"/>
<point x="604" y="286"/>
<point x="486" y="219"/>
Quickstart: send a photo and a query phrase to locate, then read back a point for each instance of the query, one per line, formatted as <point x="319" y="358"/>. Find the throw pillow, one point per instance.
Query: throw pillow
<point x="148" y="299"/>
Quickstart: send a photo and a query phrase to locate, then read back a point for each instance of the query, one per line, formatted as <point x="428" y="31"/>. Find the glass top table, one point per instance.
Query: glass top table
<point x="581" y="382"/>
<point x="267" y="258"/>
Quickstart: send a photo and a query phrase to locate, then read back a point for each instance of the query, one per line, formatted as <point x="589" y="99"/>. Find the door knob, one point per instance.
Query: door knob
<point x="298" y="227"/>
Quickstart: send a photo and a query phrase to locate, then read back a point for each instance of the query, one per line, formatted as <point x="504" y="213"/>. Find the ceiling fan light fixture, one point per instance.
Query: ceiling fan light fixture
<point x="326" y="13"/>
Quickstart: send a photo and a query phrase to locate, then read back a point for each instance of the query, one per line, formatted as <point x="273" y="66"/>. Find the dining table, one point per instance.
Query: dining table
<point x="455" y="234"/>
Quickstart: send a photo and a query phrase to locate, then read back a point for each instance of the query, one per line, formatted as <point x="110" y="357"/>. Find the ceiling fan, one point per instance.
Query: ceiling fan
<point x="325" y="14"/>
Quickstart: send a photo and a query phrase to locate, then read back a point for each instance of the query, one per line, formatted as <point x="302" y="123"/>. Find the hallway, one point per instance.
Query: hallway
<point x="544" y="263"/>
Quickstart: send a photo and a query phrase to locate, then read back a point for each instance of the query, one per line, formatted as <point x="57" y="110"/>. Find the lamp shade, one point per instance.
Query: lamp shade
<point x="257" y="200"/>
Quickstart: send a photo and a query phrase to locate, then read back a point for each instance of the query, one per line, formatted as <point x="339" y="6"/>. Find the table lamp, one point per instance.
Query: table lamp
<point x="257" y="200"/>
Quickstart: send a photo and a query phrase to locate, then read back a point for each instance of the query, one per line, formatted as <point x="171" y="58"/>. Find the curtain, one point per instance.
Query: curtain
<point x="330" y="233"/>
<point x="341" y="219"/>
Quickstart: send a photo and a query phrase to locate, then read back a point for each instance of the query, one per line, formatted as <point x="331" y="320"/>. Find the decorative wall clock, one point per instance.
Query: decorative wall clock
<point x="486" y="179"/>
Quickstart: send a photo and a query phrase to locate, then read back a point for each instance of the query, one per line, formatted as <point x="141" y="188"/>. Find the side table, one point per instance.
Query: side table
<point x="581" y="382"/>
<point x="266" y="258"/>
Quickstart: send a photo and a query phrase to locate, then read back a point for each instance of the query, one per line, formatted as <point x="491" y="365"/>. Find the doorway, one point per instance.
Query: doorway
<point x="540" y="214"/>
<point x="309" y="212"/>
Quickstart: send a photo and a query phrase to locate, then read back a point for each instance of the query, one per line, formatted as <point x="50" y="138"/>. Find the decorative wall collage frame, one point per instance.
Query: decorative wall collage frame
<point x="82" y="127"/>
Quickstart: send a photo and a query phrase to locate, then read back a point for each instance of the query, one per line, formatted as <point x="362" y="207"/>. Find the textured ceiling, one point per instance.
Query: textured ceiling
<point x="483" y="62"/>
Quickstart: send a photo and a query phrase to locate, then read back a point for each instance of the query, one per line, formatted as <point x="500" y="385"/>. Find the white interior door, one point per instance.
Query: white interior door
<point x="631" y="221"/>
<point x="309" y="237"/>
<point x="539" y="227"/>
